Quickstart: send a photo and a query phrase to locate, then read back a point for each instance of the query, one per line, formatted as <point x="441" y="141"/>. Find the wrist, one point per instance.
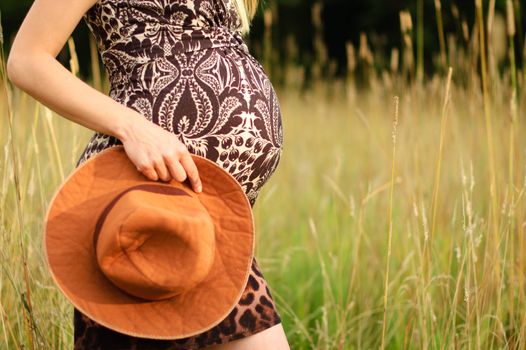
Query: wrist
<point x="126" y="124"/>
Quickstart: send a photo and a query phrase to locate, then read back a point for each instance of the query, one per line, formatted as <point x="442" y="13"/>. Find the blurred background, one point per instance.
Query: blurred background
<point x="308" y="32"/>
<point x="396" y="218"/>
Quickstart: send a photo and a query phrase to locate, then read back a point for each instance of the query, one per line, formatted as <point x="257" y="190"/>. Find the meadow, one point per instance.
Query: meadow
<point x="396" y="218"/>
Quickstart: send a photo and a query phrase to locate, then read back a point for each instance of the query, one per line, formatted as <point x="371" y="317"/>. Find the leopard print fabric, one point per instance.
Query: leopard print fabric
<point x="184" y="65"/>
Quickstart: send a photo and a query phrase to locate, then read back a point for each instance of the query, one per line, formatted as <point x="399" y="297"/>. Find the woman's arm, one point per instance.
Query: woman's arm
<point x="32" y="66"/>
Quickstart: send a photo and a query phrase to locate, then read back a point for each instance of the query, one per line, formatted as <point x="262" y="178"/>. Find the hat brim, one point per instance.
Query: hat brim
<point x="68" y="245"/>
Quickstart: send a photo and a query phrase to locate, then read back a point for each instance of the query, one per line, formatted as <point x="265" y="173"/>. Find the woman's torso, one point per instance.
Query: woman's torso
<point x="185" y="67"/>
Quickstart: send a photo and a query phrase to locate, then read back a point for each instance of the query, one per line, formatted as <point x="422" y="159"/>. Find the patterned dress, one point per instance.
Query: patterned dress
<point x="183" y="64"/>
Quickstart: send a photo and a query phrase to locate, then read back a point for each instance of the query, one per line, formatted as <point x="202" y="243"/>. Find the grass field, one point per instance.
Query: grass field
<point x="396" y="218"/>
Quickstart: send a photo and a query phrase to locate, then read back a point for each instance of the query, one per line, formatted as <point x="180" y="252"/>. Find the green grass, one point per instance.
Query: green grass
<point x="324" y="220"/>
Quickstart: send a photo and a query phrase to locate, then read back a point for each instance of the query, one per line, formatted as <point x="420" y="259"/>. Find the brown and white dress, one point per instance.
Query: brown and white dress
<point x="184" y="65"/>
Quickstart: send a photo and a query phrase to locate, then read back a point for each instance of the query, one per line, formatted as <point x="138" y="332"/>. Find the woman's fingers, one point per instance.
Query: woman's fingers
<point x="162" y="170"/>
<point x="149" y="172"/>
<point x="176" y="169"/>
<point x="182" y="166"/>
<point x="155" y="160"/>
<point x="191" y="170"/>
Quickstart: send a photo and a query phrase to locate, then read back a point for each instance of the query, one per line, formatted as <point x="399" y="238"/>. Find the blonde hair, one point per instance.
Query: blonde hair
<point x="246" y="10"/>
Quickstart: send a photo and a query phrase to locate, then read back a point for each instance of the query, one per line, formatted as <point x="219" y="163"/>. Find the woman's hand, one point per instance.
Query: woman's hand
<point x="158" y="153"/>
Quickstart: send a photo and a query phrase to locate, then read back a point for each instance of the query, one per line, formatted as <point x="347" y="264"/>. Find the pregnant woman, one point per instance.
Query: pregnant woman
<point x="182" y="81"/>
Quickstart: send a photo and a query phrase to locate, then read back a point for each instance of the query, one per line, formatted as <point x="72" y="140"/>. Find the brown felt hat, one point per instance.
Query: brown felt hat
<point x="147" y="258"/>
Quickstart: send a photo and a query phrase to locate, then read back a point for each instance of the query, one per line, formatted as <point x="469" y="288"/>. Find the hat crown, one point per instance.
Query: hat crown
<point x="155" y="242"/>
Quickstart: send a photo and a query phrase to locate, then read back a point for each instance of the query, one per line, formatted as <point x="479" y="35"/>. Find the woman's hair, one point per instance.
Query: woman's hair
<point x="246" y="10"/>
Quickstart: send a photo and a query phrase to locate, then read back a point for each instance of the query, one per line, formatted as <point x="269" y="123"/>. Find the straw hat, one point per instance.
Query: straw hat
<point x="147" y="258"/>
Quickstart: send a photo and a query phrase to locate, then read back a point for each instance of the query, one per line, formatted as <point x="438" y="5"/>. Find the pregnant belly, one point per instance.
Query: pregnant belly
<point x="219" y="102"/>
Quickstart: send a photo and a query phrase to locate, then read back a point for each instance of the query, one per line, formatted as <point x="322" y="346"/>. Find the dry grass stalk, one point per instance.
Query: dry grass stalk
<point x="351" y="58"/>
<point x="1" y="31"/>
<point x="320" y="50"/>
<point x="420" y="40"/>
<point x="390" y="215"/>
<point x="441" y="36"/>
<point x="510" y="18"/>
<point x="406" y="26"/>
<point x="365" y="53"/>
<point x="492" y="268"/>
<point x="73" y="61"/>
<point x="267" y="39"/>
<point x="511" y="193"/>
<point x="443" y="124"/>
<point x="95" y="67"/>
<point x="465" y="31"/>
<point x="395" y="60"/>
<point x="25" y="297"/>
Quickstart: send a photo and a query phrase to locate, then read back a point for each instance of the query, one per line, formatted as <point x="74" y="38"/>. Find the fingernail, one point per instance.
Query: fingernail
<point x="199" y="188"/>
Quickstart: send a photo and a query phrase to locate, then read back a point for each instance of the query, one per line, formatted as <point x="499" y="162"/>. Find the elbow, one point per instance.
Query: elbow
<point x="14" y="69"/>
<point x="22" y="68"/>
<point x="19" y="68"/>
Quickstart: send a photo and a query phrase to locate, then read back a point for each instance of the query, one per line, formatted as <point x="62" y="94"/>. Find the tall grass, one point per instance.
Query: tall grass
<point x="363" y="247"/>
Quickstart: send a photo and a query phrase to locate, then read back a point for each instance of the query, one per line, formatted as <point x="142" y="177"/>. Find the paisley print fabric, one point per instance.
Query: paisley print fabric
<point x="183" y="64"/>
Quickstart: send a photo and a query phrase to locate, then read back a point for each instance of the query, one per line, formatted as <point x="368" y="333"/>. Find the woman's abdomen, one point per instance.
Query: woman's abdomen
<point x="219" y="102"/>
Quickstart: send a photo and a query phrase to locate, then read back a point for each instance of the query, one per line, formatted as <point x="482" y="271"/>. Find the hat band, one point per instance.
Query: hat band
<point x="168" y="190"/>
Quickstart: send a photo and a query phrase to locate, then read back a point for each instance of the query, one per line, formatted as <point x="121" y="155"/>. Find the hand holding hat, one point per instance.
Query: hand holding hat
<point x="149" y="259"/>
